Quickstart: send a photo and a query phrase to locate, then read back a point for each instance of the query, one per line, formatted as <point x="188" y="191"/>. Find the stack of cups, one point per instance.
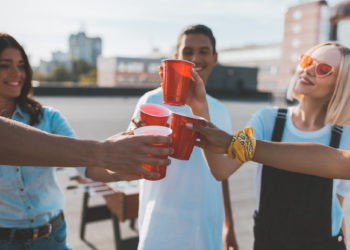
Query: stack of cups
<point x="176" y="83"/>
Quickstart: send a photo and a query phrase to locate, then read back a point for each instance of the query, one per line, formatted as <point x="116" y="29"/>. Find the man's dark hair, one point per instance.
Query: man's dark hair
<point x="198" y="29"/>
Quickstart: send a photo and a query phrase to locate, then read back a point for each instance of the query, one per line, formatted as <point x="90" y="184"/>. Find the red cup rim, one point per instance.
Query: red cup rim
<point x="158" y="106"/>
<point x="140" y="131"/>
<point x="178" y="60"/>
<point x="190" y="116"/>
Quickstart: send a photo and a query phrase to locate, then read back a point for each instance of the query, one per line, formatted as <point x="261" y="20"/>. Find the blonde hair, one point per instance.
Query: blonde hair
<point x="338" y="111"/>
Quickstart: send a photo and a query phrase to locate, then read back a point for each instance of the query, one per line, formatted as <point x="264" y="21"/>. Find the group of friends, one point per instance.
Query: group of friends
<point x="302" y="151"/>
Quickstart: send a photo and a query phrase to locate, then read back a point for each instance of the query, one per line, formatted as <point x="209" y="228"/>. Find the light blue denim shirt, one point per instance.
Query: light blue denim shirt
<point x="30" y="196"/>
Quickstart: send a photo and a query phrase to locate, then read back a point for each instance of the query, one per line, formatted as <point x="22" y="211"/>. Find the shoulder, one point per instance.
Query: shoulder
<point x="54" y="122"/>
<point x="50" y="112"/>
<point x="345" y="142"/>
<point x="52" y="116"/>
<point x="266" y="112"/>
<point x="262" y="122"/>
<point x="152" y="94"/>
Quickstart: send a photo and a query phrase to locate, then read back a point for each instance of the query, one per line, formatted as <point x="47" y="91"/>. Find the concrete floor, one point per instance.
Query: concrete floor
<point x="100" y="117"/>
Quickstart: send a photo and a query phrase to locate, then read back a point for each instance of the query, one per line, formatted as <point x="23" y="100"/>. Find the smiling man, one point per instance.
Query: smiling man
<point x="185" y="210"/>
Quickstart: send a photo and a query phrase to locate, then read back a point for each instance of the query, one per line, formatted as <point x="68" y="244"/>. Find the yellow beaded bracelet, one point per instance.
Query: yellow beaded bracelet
<point x="242" y="147"/>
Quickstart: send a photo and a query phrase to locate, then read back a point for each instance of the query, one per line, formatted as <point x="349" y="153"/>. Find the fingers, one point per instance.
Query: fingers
<point x="137" y="122"/>
<point x="156" y="150"/>
<point x="149" y="174"/>
<point x="154" y="161"/>
<point x="199" y="143"/>
<point x="211" y="125"/>
<point x="196" y="127"/>
<point x="195" y="76"/>
<point x="161" y="72"/>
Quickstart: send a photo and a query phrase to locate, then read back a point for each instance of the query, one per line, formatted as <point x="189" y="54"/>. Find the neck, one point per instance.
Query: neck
<point x="310" y="115"/>
<point x="7" y="108"/>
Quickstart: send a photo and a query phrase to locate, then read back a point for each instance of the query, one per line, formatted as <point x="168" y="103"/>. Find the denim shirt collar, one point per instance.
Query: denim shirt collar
<point x="20" y="115"/>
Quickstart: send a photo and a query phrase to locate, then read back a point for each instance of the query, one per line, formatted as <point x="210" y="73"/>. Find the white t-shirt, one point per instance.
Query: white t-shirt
<point x="263" y="122"/>
<point x="185" y="209"/>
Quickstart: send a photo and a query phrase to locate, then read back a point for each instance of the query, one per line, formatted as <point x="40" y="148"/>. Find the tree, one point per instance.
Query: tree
<point x="80" y="67"/>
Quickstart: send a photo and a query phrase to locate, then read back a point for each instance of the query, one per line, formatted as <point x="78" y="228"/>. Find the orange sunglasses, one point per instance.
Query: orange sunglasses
<point x="321" y="69"/>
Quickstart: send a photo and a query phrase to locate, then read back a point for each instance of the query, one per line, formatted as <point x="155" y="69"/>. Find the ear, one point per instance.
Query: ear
<point x="176" y="55"/>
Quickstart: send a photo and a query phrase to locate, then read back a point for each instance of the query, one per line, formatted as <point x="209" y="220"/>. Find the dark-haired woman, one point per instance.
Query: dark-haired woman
<point x="31" y="201"/>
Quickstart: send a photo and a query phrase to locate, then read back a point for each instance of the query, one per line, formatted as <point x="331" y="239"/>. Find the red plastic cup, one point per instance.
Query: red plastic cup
<point x="154" y="130"/>
<point x="176" y="81"/>
<point x="183" y="138"/>
<point x="153" y="114"/>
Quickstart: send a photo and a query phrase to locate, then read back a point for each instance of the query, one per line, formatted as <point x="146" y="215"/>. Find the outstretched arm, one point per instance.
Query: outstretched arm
<point x="24" y="145"/>
<point x="306" y="158"/>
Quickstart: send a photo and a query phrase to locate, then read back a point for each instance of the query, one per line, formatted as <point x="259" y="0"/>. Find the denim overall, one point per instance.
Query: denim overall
<point x="295" y="209"/>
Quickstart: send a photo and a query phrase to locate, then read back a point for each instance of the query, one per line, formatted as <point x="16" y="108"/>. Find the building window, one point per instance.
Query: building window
<point x="297" y="15"/>
<point x="296" y="28"/>
<point x="153" y="68"/>
<point x="324" y="24"/>
<point x="295" y="43"/>
<point x="135" y="67"/>
<point x="294" y="58"/>
<point x="344" y="32"/>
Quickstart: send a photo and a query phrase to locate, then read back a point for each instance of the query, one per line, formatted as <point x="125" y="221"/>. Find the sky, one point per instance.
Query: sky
<point x="135" y="27"/>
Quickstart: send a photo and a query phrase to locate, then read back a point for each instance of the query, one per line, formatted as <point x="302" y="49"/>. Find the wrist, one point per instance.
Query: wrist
<point x="227" y="143"/>
<point x="201" y="109"/>
<point x="242" y="146"/>
<point x="94" y="154"/>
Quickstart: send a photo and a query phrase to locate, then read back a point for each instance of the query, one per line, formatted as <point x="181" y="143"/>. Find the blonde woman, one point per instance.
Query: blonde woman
<point x="297" y="211"/>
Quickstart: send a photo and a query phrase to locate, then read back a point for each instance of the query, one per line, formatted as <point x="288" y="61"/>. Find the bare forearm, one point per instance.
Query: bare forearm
<point x="24" y="145"/>
<point x="307" y="158"/>
<point x="220" y="165"/>
<point x="201" y="109"/>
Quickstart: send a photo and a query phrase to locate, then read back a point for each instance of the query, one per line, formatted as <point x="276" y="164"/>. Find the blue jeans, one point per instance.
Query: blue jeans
<point x="56" y="241"/>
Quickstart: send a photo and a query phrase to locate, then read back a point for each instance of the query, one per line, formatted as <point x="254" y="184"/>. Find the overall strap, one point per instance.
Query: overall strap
<point x="335" y="136"/>
<point x="262" y="223"/>
<point x="279" y="124"/>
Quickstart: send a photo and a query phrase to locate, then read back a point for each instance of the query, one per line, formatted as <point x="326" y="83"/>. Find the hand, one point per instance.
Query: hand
<point x="211" y="138"/>
<point x="122" y="177"/>
<point x="196" y="96"/>
<point x="125" y="153"/>
<point x="229" y="239"/>
<point x="137" y="123"/>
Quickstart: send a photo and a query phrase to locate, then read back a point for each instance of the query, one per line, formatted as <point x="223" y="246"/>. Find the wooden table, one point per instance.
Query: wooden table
<point x="121" y="204"/>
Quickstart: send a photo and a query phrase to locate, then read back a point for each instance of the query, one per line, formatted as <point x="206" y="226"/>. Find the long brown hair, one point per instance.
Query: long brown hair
<point x="24" y="100"/>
